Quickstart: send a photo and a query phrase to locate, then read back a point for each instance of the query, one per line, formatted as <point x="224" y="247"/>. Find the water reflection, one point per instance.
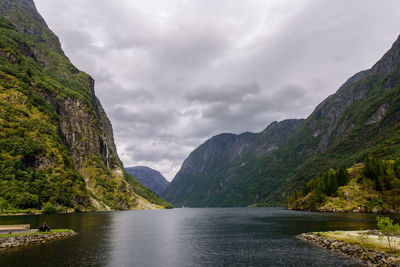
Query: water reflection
<point x="88" y="248"/>
<point x="186" y="237"/>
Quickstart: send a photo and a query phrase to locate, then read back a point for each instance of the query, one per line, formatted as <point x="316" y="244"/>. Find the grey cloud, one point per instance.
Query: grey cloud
<point x="171" y="74"/>
<point x="77" y="40"/>
<point x="225" y="92"/>
<point x="154" y="152"/>
<point x="147" y="116"/>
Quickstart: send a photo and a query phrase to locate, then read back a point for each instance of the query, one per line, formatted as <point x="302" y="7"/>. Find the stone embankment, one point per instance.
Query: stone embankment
<point x="31" y="239"/>
<point x="370" y="257"/>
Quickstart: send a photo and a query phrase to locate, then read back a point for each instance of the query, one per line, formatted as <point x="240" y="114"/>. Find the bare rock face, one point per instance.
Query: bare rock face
<point x="379" y="114"/>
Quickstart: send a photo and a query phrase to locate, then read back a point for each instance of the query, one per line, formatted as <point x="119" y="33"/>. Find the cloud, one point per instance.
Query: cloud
<point x="225" y="92"/>
<point x="171" y="74"/>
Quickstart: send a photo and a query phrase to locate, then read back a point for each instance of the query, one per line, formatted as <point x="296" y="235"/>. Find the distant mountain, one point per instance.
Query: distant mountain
<point x="150" y="178"/>
<point x="56" y="141"/>
<point x="211" y="171"/>
<point x="361" y="119"/>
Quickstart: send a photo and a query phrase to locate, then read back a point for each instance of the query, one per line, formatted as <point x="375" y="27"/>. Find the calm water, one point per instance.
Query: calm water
<point x="186" y="237"/>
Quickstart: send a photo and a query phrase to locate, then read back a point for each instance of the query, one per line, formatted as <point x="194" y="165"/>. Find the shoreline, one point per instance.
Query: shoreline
<point x="368" y="256"/>
<point x="26" y="239"/>
<point x="36" y="212"/>
<point x="358" y="211"/>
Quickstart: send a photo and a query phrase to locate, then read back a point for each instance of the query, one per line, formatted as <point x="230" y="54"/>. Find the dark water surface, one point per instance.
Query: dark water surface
<point x="186" y="237"/>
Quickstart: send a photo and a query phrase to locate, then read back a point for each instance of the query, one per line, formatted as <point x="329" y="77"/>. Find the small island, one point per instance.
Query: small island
<point x="15" y="236"/>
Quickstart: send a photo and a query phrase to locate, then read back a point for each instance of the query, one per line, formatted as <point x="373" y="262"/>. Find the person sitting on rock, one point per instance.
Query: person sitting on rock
<point x="44" y="228"/>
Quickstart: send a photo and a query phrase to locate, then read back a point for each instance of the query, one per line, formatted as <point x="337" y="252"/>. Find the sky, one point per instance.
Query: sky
<point x="171" y="74"/>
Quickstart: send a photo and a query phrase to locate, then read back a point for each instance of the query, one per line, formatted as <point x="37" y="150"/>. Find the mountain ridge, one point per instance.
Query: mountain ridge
<point x="360" y="119"/>
<point x="219" y="160"/>
<point x="149" y="177"/>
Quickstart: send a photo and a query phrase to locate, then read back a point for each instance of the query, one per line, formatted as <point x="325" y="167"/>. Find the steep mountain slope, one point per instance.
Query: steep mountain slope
<point x="150" y="178"/>
<point x="211" y="171"/>
<point x="360" y="119"/>
<point x="56" y="142"/>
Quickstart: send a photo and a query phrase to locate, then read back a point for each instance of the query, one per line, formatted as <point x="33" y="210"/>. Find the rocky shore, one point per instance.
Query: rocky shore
<point x="368" y="256"/>
<point x="31" y="239"/>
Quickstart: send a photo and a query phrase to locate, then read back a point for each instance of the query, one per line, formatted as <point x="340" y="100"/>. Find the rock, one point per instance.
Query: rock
<point x="25" y="240"/>
<point x="368" y="256"/>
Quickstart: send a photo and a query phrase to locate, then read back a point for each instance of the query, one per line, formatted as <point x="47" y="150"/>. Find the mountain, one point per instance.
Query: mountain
<point x="213" y="170"/>
<point x="150" y="178"/>
<point x="56" y="142"/>
<point x="361" y="119"/>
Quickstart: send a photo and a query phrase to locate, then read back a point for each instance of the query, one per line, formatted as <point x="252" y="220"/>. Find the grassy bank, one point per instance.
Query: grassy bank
<point x="37" y="233"/>
<point x="365" y="239"/>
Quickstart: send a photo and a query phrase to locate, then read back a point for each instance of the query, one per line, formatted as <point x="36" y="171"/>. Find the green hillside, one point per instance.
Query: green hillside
<point x="56" y="142"/>
<point x="372" y="186"/>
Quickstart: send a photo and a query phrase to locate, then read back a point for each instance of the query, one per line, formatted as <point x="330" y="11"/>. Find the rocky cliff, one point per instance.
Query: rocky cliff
<point x="150" y="178"/>
<point x="211" y="175"/>
<point x="56" y="141"/>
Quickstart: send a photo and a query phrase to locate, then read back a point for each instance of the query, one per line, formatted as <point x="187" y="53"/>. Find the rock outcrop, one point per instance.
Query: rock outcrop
<point x="370" y="257"/>
<point x="29" y="239"/>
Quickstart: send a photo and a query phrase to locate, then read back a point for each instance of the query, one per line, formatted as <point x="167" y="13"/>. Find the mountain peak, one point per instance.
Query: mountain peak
<point x="24" y="15"/>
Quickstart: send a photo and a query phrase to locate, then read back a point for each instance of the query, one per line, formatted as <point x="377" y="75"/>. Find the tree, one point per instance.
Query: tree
<point x="3" y="205"/>
<point x="388" y="230"/>
<point x="342" y="176"/>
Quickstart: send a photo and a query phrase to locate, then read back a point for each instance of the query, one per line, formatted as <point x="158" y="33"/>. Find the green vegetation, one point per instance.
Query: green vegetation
<point x="28" y="131"/>
<point x="364" y="239"/>
<point x="146" y="193"/>
<point x="40" y="170"/>
<point x="371" y="186"/>
<point x="388" y="230"/>
<point x="49" y="208"/>
<point x="37" y="233"/>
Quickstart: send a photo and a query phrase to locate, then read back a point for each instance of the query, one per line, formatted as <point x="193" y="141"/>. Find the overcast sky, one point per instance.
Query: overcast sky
<point x="171" y="74"/>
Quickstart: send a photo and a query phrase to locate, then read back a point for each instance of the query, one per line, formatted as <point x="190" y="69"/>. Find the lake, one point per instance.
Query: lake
<point x="186" y="237"/>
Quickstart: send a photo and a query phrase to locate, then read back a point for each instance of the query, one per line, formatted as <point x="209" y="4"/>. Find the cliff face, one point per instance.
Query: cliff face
<point x="67" y="135"/>
<point x="150" y="178"/>
<point x="211" y="175"/>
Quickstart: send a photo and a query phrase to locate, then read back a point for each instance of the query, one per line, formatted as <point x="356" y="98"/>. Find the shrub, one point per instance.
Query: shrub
<point x="388" y="230"/>
<point x="49" y="208"/>
<point x="26" y="200"/>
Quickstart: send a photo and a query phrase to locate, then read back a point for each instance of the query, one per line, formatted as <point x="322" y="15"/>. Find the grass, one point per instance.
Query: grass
<point x="37" y="233"/>
<point x="20" y="211"/>
<point x="363" y="239"/>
